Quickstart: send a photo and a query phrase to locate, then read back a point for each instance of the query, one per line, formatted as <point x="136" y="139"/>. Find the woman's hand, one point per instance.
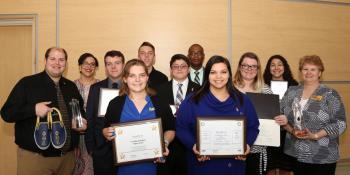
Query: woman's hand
<point x="163" y="159"/>
<point x="281" y="120"/>
<point x="244" y="157"/>
<point x="199" y="157"/>
<point x="306" y="134"/>
<point x="108" y="133"/>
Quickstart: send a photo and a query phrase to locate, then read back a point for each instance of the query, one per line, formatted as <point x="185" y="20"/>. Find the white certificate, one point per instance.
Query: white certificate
<point x="279" y="88"/>
<point x="106" y="95"/>
<point x="138" y="141"/>
<point x="269" y="134"/>
<point x="221" y="136"/>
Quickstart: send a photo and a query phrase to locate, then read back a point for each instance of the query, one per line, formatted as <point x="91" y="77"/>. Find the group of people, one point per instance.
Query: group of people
<point x="194" y="90"/>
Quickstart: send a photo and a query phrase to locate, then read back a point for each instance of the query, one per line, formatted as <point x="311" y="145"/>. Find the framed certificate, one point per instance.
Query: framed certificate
<point x="138" y="141"/>
<point x="279" y="88"/>
<point x="221" y="136"/>
<point x="106" y="95"/>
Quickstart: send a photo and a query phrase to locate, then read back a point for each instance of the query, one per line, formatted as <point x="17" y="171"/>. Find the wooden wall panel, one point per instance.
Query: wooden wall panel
<point x="46" y="11"/>
<point x="16" y="52"/>
<point x="172" y="26"/>
<point x="294" y="29"/>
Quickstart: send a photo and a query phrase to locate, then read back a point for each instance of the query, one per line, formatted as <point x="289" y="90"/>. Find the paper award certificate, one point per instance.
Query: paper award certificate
<point x="269" y="134"/>
<point x="279" y="88"/>
<point x="138" y="141"/>
<point x="106" y="95"/>
<point x="221" y="136"/>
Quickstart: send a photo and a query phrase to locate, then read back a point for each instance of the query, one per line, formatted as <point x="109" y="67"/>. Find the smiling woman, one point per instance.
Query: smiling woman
<point x="217" y="98"/>
<point x="136" y="102"/>
<point x="319" y="111"/>
<point x="87" y="67"/>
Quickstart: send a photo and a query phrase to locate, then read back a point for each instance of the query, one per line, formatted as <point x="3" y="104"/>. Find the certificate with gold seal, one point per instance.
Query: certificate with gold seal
<point x="221" y="136"/>
<point x="138" y="141"/>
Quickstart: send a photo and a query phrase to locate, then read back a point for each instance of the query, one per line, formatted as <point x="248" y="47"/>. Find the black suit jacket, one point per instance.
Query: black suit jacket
<point x="165" y="91"/>
<point x="94" y="138"/>
<point x="176" y="161"/>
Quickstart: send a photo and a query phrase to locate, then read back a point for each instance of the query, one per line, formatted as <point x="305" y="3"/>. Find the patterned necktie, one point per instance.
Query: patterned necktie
<point x="179" y="95"/>
<point x="115" y="85"/>
<point x="64" y="112"/>
<point x="196" y="78"/>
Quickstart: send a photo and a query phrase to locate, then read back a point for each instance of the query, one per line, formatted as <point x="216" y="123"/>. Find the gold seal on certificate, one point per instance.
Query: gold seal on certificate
<point x="221" y="136"/>
<point x="138" y="141"/>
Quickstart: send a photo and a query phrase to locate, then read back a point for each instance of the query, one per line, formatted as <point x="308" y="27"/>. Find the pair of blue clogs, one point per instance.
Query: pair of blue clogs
<point x="51" y="131"/>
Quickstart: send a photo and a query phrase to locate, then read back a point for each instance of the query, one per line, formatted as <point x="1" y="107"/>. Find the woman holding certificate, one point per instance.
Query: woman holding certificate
<point x="316" y="119"/>
<point x="248" y="78"/>
<point x="278" y="69"/>
<point x="217" y="98"/>
<point x="134" y="103"/>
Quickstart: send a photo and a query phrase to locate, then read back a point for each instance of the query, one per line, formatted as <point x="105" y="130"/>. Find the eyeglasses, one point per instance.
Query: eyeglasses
<point x="85" y="64"/>
<point x="249" y="67"/>
<point x="179" y="67"/>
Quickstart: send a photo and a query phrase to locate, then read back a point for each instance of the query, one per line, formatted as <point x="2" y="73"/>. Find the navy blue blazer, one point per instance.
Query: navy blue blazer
<point x="94" y="139"/>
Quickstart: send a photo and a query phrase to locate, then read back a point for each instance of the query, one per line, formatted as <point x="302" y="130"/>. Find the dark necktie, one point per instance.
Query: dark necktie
<point x="64" y="112"/>
<point x="115" y="85"/>
<point x="196" y="78"/>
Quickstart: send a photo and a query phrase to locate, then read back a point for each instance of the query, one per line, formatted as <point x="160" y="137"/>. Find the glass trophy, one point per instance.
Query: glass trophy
<point x="77" y="119"/>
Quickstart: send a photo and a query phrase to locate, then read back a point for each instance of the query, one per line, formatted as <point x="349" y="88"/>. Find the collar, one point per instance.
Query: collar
<point x="199" y="70"/>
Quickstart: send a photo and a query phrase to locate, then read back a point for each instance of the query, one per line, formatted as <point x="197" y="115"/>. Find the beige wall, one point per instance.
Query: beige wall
<point x="268" y="27"/>
<point x="172" y="26"/>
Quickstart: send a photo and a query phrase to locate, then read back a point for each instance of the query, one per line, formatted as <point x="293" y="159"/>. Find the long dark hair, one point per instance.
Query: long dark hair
<point x="287" y="74"/>
<point x="234" y="93"/>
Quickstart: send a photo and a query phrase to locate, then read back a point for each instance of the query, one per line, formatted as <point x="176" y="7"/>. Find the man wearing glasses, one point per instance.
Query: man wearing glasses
<point x="173" y="93"/>
<point x="196" y="56"/>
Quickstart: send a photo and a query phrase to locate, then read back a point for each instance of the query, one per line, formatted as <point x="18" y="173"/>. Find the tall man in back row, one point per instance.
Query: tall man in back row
<point x="196" y="56"/>
<point x="35" y="96"/>
<point x="146" y="53"/>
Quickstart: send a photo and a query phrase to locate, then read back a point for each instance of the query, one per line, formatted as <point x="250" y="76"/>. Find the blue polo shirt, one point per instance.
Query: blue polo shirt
<point x="129" y="114"/>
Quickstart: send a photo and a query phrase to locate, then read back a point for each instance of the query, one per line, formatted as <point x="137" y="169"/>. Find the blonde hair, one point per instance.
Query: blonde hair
<point x="258" y="83"/>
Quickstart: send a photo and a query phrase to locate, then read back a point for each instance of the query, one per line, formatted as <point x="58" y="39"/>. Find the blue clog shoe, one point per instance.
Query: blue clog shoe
<point x="58" y="130"/>
<point x="41" y="133"/>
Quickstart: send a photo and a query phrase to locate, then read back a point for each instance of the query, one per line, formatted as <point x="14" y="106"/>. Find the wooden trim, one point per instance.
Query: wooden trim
<point x="25" y="20"/>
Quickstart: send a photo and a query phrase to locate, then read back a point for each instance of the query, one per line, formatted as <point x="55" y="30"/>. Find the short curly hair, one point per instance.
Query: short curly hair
<point x="311" y="59"/>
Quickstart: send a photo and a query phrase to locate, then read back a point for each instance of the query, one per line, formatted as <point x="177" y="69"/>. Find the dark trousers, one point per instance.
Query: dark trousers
<point x="104" y="165"/>
<point x="176" y="163"/>
<point x="314" y="169"/>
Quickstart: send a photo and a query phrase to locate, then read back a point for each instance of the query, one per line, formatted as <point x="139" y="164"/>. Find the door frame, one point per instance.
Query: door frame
<point x="25" y="20"/>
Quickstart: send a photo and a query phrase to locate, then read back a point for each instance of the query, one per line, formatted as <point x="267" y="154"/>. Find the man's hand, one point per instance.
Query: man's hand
<point x="41" y="109"/>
